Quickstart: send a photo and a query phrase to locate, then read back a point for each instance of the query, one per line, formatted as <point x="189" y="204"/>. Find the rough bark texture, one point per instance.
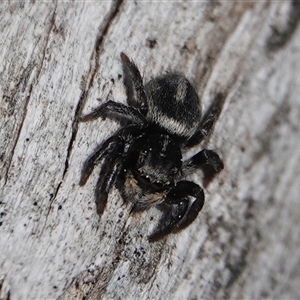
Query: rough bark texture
<point x="57" y="59"/>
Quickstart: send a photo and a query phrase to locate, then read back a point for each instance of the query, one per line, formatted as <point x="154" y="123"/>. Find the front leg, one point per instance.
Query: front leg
<point x="208" y="160"/>
<point x="179" y="210"/>
<point x="104" y="149"/>
<point x="114" y="144"/>
<point x="112" y="152"/>
<point x="110" y="170"/>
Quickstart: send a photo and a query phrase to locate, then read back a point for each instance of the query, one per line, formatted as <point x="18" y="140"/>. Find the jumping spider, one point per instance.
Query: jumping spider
<point x="144" y="158"/>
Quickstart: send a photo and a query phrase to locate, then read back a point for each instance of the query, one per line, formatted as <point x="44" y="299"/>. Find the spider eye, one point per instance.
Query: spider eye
<point x="142" y="156"/>
<point x="174" y="170"/>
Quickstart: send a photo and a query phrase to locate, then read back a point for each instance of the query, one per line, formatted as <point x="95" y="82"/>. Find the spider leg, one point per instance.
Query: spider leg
<point x="189" y="188"/>
<point x="115" y="110"/>
<point x="179" y="211"/>
<point x="134" y="85"/>
<point x="110" y="170"/>
<point x="208" y="160"/>
<point x="105" y="148"/>
<point x="112" y="151"/>
<point x="207" y="121"/>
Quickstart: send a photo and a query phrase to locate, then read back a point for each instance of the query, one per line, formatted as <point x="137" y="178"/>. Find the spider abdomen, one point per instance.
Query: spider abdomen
<point x="173" y="104"/>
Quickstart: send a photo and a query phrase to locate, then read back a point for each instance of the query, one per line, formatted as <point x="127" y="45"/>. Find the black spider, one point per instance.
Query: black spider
<point x="144" y="158"/>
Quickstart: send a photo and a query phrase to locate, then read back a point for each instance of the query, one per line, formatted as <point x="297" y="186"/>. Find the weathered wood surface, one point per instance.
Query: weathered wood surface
<point x="57" y="59"/>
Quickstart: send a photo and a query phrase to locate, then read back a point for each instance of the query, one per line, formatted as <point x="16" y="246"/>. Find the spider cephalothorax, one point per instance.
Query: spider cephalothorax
<point x="144" y="158"/>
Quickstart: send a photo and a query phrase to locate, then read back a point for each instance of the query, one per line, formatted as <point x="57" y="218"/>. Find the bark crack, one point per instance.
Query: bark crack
<point x="94" y="66"/>
<point x="24" y="78"/>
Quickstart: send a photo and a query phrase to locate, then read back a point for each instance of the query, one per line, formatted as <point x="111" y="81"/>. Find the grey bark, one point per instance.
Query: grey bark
<point x="59" y="60"/>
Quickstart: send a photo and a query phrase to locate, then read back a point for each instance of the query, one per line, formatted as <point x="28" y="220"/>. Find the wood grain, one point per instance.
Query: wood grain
<point x="59" y="60"/>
